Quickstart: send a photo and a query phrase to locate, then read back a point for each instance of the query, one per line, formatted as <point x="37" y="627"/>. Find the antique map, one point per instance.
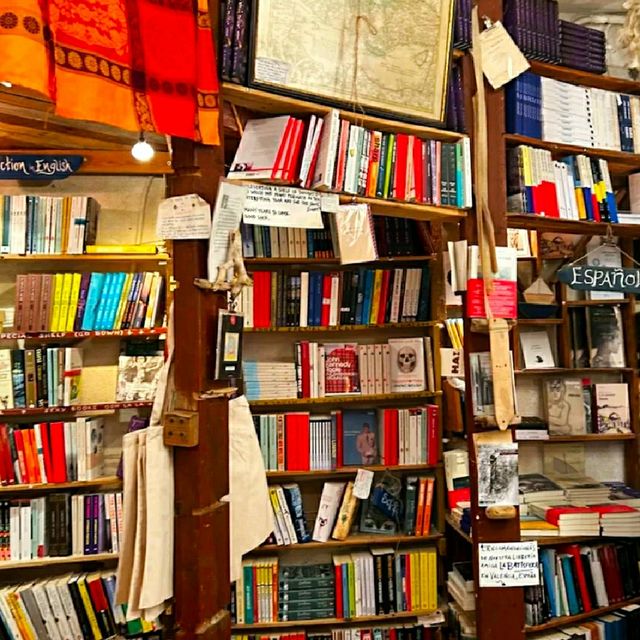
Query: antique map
<point x="389" y="55"/>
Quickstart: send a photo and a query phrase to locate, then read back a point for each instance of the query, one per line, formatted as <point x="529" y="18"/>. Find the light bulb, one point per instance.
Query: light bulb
<point x="142" y="150"/>
<point x="6" y="84"/>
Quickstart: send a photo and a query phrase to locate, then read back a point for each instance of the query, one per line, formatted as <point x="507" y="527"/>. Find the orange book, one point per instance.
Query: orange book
<point x="428" y="505"/>
<point x="29" y="455"/>
<point x="422" y="487"/>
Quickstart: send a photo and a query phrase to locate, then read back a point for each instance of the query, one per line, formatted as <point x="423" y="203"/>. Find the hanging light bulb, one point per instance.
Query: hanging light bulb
<point x="142" y="150"/>
<point x="6" y="84"/>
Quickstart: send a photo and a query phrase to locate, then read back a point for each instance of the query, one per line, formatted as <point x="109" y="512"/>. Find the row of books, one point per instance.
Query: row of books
<point x="462" y="24"/>
<point x="557" y="111"/>
<point x="534" y="27"/>
<point x="52" y="452"/>
<point x="88" y="301"/>
<point x="329" y="299"/>
<point x="334" y="154"/>
<point x="582" y="47"/>
<point x="597" y="335"/>
<point x="348" y="437"/>
<point x="573" y="188"/>
<point x="387" y="632"/>
<point x="78" y="606"/>
<point x="621" y="624"/>
<point x="40" y="377"/>
<point x="578" y="579"/>
<point x="394" y="237"/>
<point x="61" y="525"/>
<point x="47" y="224"/>
<point x="385" y="581"/>
<point x="461" y="585"/>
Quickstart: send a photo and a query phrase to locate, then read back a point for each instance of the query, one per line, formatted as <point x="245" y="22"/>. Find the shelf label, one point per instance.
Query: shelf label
<point x="38" y="167"/>
<point x="508" y="564"/>
<point x="596" y="278"/>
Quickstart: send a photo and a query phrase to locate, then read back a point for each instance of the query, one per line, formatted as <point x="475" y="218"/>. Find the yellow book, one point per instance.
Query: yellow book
<point x="67" y="281"/>
<point x="148" y="316"/>
<point x="240" y="599"/>
<point x="453" y="334"/>
<point x="424" y="581"/>
<point x="58" y="279"/>
<point x="414" y="560"/>
<point x="346" y="514"/>
<point x="122" y="305"/>
<point x="73" y="300"/>
<point x="147" y="249"/>
<point x="24" y="623"/>
<point x="458" y="323"/>
<point x="432" y="601"/>
<point x="146" y="625"/>
<point x="86" y="601"/>
<point x="375" y="298"/>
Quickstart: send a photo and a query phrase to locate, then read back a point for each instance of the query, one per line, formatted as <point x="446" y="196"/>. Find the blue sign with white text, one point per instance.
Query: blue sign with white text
<point x="38" y="167"/>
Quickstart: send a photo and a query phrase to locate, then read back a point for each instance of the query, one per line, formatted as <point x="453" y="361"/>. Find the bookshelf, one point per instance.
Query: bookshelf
<point x="62" y="561"/>
<point x="108" y="482"/>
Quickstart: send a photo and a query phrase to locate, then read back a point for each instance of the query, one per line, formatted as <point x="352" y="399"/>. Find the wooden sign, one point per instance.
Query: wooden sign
<point x="595" y="278"/>
<point x="38" y="167"/>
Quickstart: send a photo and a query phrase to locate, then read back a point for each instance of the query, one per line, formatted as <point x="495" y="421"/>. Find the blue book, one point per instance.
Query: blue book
<point x="93" y="299"/>
<point x="114" y="300"/>
<point x="345" y="590"/>
<point x="310" y="237"/>
<point x="317" y="307"/>
<point x="6" y="223"/>
<point x="52" y="366"/>
<point x="548" y="559"/>
<point x="311" y="313"/>
<point x="294" y="501"/>
<point x="359" y="437"/>
<point x="368" y="296"/>
<point x="571" y="585"/>
<point x="107" y="287"/>
<point x="247" y="241"/>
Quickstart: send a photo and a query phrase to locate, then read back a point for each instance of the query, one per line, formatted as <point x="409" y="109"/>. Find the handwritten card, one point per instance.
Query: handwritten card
<point x="273" y="206"/>
<point x="184" y="218"/>
<point x="508" y="564"/>
<point x="502" y="61"/>
<point x="362" y="484"/>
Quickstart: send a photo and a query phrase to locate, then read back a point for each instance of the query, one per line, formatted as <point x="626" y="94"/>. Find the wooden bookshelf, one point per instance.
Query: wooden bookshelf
<point x="344" y="399"/>
<point x="357" y="540"/>
<point x="536" y="222"/>
<point x="561" y="371"/>
<point x="594" y="303"/>
<point x="587" y="437"/>
<point x="108" y="482"/>
<point x="568" y="620"/>
<point x="12" y="565"/>
<point x="454" y="525"/>
<point x="346" y="472"/>
<point x="129" y="258"/>
<point x="552" y="541"/>
<point x="331" y="262"/>
<point x="76" y="408"/>
<point x="327" y="622"/>
<point x="397" y="326"/>
<point x="48" y="336"/>
<point x="538" y="322"/>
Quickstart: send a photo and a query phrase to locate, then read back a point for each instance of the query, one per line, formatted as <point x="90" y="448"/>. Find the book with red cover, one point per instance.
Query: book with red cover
<point x="46" y="448"/>
<point x="292" y="160"/>
<point x="553" y="514"/>
<point x="326" y="300"/>
<point x="400" y="176"/>
<point x="337" y="417"/>
<point x="574" y="551"/>
<point x="418" y="168"/>
<point x="341" y="160"/>
<point x="297" y="435"/>
<point x="31" y="451"/>
<point x="384" y="294"/>
<point x="407" y="570"/>
<point x="425" y="525"/>
<point x="420" y="504"/>
<point x="278" y="164"/>
<point x="433" y="435"/>
<point x="339" y="608"/>
<point x="58" y="454"/>
<point x="6" y="464"/>
<point x="315" y="152"/>
<point x="101" y="604"/>
<point x="305" y="369"/>
<point x="611" y="573"/>
<point x="22" y="463"/>
<point x="603" y="509"/>
<point x="262" y="299"/>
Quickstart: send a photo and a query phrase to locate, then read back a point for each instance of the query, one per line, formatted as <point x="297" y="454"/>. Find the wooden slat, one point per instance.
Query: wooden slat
<point x="130" y="258"/>
<point x="345" y="399"/>
<point x="108" y="482"/>
<point x="331" y="262"/>
<point x="14" y="565"/>
<point x="582" y="227"/>
<point x="301" y="476"/>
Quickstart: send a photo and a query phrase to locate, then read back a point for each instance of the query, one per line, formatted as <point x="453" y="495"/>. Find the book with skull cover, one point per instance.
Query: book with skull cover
<point x="407" y="365"/>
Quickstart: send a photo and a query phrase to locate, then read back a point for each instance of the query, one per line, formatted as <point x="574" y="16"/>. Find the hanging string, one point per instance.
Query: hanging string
<point x="360" y="19"/>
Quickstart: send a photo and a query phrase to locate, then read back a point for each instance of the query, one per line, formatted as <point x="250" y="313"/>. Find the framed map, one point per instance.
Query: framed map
<point x="386" y="57"/>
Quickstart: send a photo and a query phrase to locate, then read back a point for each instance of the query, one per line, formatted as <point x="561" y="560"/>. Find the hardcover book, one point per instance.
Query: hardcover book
<point x="565" y="406"/>
<point x="536" y="349"/>
<point x="229" y="346"/>
<point x="612" y="408"/>
<point x="606" y="339"/>
<point x="407" y="365"/>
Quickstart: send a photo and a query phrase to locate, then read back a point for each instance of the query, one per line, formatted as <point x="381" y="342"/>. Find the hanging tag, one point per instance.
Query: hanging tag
<point x="184" y="218"/>
<point x="502" y="61"/>
<point x="362" y="485"/>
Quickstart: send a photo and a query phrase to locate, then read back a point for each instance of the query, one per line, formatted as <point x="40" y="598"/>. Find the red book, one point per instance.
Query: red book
<point x="339" y="607"/>
<point x="58" y="454"/>
<point x="384" y="293"/>
<point x="278" y="165"/>
<point x="291" y="170"/>
<point x="31" y="451"/>
<point x="407" y="571"/>
<point x="400" y="176"/>
<point x="395" y="437"/>
<point x="418" y="169"/>
<point x="18" y="439"/>
<point x="305" y="373"/>
<point x="341" y="159"/>
<point x="612" y="583"/>
<point x="314" y="158"/>
<point x="433" y="434"/>
<point x="553" y="514"/>
<point x="98" y="596"/>
<point x="422" y="494"/>
<point x="6" y="468"/>
<point x="596" y="208"/>
<point x="574" y="551"/>
<point x="46" y="448"/>
<point x="326" y="300"/>
<point x="337" y="416"/>
<point x="386" y="426"/>
<point x="262" y="299"/>
<point x="296" y="426"/>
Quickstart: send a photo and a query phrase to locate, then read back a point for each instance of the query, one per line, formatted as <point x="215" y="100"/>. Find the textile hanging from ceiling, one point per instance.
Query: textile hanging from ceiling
<point x="142" y="65"/>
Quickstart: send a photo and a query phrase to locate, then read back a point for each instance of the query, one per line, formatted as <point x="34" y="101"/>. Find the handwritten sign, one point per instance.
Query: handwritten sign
<point x="184" y="218"/>
<point x="362" y="485"/>
<point x="274" y="206"/>
<point x="596" y="278"/>
<point x="508" y="564"/>
<point x="38" y="167"/>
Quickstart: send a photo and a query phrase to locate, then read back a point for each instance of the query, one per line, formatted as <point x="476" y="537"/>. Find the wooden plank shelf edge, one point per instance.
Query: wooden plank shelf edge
<point x="112" y="482"/>
<point x="88" y="257"/>
<point x="77" y="408"/>
<point x="320" y="474"/>
<point x="347" y="399"/>
<point x="249" y="262"/>
<point x="57" y="560"/>
<point x="535" y="222"/>
<point x="345" y="327"/>
<point x="78" y="335"/>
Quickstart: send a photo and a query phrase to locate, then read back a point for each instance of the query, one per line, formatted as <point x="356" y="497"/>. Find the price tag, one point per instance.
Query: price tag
<point x="362" y="485"/>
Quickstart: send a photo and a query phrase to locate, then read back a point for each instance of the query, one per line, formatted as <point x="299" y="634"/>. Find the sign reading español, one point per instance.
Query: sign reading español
<point x="596" y="278"/>
<point x="38" y="167"/>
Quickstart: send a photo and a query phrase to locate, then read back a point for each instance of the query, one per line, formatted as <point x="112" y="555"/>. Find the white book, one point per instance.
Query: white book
<point x="48" y="617"/>
<point x="25" y="532"/>
<point x="14" y="532"/>
<point x="324" y="170"/>
<point x="6" y="380"/>
<point x="334" y="302"/>
<point x="279" y="527"/>
<point x="351" y="164"/>
<point x="386" y="368"/>
<point x="315" y="142"/>
<point x="536" y="349"/>
<point x="377" y="364"/>
<point x="407" y="365"/>
<point x="306" y="150"/>
<point x="313" y="369"/>
<point x="81" y="447"/>
<point x="57" y="609"/>
<point x="371" y="369"/>
<point x="288" y="522"/>
<point x="37" y="430"/>
<point x="327" y="510"/>
<point x="94" y="451"/>
<point x="304" y="298"/>
<point x="67" y="604"/>
<point x="363" y="368"/>
<point x="321" y="354"/>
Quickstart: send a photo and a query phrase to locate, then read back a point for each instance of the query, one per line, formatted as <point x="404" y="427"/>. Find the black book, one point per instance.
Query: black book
<point x="41" y="380"/>
<point x="17" y="378"/>
<point x="391" y="582"/>
<point x="377" y="576"/>
<point x="241" y="42"/>
<point x="229" y="345"/>
<point x="81" y="612"/>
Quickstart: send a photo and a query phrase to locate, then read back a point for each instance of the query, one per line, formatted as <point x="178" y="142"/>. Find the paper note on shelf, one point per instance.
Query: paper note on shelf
<point x="226" y="218"/>
<point x="508" y="564"/>
<point x="184" y="218"/>
<point x="502" y="61"/>
<point x="362" y="485"/>
<point x="273" y="206"/>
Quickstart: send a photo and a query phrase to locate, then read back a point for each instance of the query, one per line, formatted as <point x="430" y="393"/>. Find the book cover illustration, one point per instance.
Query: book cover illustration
<point x="341" y="369"/>
<point x="359" y="437"/>
<point x="504" y="294"/>
<point x="612" y="408"/>
<point x="407" y="365"/>
<point x="536" y="349"/>
<point x="537" y="483"/>
<point x="498" y="474"/>
<point x="565" y="406"/>
<point x="481" y="383"/>
<point x="138" y="377"/>
<point x="229" y="347"/>
<point x="604" y="330"/>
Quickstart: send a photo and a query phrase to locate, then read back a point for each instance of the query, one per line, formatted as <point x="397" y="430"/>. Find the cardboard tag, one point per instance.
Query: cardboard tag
<point x="184" y="218"/>
<point x="362" y="485"/>
<point x="502" y="61"/>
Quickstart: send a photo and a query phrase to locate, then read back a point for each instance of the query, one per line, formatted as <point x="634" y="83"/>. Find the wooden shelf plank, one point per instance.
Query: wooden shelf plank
<point x="62" y="560"/>
<point x="345" y="472"/>
<point x="273" y="103"/>
<point x="77" y="408"/>
<point x="249" y="262"/>
<point x="111" y="482"/>
<point x="346" y="327"/>
<point x="589" y="437"/>
<point x="554" y="371"/>
<point x="548" y="541"/>
<point x="88" y="257"/>
<point x="346" y="399"/>
<point x="536" y="222"/>
<point x="594" y="303"/>
<point x="359" y="540"/>
<point x="566" y="620"/>
<point x="326" y="622"/>
<point x="454" y="525"/>
<point x="79" y="335"/>
<point x="538" y="321"/>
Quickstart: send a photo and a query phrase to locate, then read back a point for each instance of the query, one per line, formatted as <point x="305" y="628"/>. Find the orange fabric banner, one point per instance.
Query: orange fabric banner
<point x="142" y="65"/>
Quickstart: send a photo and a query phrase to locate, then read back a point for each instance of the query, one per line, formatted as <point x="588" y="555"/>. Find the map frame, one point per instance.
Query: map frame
<point x="270" y="73"/>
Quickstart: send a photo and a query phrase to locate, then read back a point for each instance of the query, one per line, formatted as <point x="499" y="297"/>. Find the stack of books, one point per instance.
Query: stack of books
<point x="462" y="24"/>
<point x="35" y="225"/>
<point x="561" y="112"/>
<point x="60" y="525"/>
<point x="269" y="380"/>
<point x="79" y="605"/>
<point x="334" y="154"/>
<point x="534" y="527"/>
<point x="52" y="452"/>
<point x="573" y="188"/>
<point x="330" y="299"/>
<point x="461" y="585"/>
<point x="535" y="28"/>
<point x="88" y="301"/>
<point x="301" y="603"/>
<point x="582" y="47"/>
<point x="570" y="520"/>
<point x="41" y="377"/>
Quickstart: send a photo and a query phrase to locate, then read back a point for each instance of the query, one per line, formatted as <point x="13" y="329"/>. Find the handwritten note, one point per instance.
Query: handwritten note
<point x="502" y="61"/>
<point x="184" y="218"/>
<point x="508" y="564"/>
<point x="362" y="484"/>
<point x="330" y="202"/>
<point x="274" y="206"/>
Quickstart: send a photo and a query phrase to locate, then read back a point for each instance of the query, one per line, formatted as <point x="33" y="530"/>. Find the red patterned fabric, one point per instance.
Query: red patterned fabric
<point x="136" y="64"/>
